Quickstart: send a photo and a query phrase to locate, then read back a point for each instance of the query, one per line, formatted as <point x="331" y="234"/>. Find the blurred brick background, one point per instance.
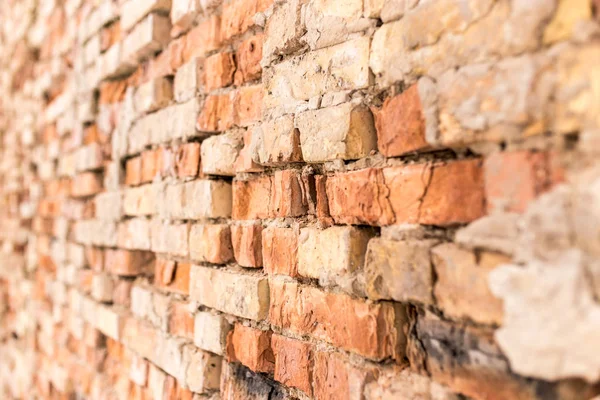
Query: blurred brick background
<point x="300" y="199"/>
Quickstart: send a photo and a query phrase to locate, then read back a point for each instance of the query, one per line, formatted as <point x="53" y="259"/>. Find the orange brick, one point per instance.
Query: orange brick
<point x="289" y="195"/>
<point x="84" y="280"/>
<point x="373" y="330"/>
<point x="181" y="320"/>
<point x="202" y="39"/>
<point x="128" y="263"/>
<point x="110" y="35"/>
<point x="49" y="208"/>
<point x="175" y="52"/>
<point x="249" y="54"/>
<point x="211" y="243"/>
<point x="282" y="195"/>
<point x="293" y="362"/>
<point x="321" y="193"/>
<point x="238" y="16"/>
<point x="112" y="91"/>
<point x="248" y="105"/>
<point x="251" y="198"/>
<point x="187" y="160"/>
<point x="251" y="347"/>
<point x="174" y="391"/>
<point x="86" y="184"/>
<point x="49" y="133"/>
<point x="279" y="250"/>
<point x="336" y="379"/>
<point x="401" y="125"/>
<point x="459" y="182"/>
<point x="417" y="193"/>
<point x="164" y="64"/>
<point x="133" y="171"/>
<point x="247" y="245"/>
<point x="91" y="134"/>
<point x="244" y="162"/>
<point x="513" y="179"/>
<point x="150" y="167"/>
<point x="217" y="113"/>
<point x="172" y="276"/>
<point x="218" y="71"/>
<point x="122" y="292"/>
<point x="57" y="188"/>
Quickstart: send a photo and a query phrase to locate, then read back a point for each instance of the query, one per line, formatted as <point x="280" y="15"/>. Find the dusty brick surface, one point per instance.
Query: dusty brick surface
<point x="300" y="199"/>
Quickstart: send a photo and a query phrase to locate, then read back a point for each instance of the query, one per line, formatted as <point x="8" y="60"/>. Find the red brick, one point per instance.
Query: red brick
<point x="247" y="245"/>
<point x="172" y="276"/>
<point x="218" y="71"/>
<point x="372" y="330"/>
<point x="248" y="105"/>
<point x="336" y="379"/>
<point x="181" y="320"/>
<point x="86" y="184"/>
<point x="280" y="249"/>
<point x="133" y="171"/>
<point x="400" y="124"/>
<point x="293" y="362"/>
<point x="513" y="179"/>
<point x="251" y="347"/>
<point x="128" y="263"/>
<point x="202" y="39"/>
<point x="217" y="113"/>
<point x="249" y="54"/>
<point x="150" y="166"/>
<point x="417" y="193"/>
<point x="211" y="243"/>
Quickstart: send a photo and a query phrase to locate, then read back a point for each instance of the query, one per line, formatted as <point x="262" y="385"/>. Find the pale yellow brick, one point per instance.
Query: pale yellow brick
<point x="247" y="295"/>
<point x="343" y="132"/>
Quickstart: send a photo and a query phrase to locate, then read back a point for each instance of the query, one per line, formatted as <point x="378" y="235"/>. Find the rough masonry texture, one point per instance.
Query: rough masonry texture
<point x="300" y="199"/>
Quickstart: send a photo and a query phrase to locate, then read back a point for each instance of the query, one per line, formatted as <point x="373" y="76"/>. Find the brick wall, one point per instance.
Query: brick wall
<point x="300" y="199"/>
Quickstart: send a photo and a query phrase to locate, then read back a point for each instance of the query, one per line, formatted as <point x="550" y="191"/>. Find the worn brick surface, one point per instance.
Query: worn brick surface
<point x="299" y="199"/>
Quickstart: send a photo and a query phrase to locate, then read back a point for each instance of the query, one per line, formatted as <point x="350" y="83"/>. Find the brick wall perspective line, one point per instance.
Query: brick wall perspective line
<point x="300" y="199"/>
